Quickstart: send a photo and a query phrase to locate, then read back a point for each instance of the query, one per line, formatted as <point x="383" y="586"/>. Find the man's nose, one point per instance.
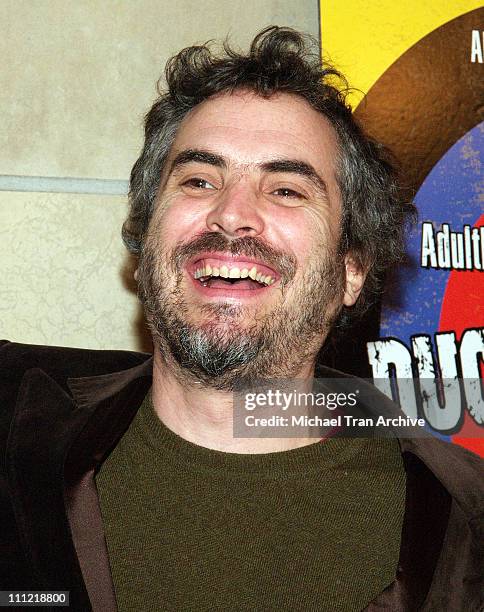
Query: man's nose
<point x="236" y="213"/>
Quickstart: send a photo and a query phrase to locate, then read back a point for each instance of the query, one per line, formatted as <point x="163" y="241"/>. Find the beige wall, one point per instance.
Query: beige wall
<point x="76" y="79"/>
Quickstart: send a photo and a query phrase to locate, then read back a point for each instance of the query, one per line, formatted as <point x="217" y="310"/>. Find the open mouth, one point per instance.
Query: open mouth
<point x="231" y="275"/>
<point x="219" y="278"/>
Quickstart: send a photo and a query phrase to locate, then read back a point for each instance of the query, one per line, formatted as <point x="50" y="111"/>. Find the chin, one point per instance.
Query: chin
<point x="228" y="329"/>
<point x="224" y="314"/>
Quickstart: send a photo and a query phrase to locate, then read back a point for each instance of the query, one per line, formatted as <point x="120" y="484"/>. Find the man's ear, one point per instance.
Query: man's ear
<point x="136" y="275"/>
<point x="355" y="279"/>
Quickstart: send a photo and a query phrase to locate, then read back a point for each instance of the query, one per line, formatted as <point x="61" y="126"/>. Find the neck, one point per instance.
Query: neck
<point x="204" y="416"/>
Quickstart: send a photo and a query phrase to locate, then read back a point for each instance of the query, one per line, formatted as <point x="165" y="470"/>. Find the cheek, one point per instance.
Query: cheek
<point x="177" y="222"/>
<point x="303" y="231"/>
<point x="325" y="234"/>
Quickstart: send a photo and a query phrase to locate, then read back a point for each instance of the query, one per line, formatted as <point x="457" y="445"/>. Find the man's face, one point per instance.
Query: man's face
<point x="239" y="274"/>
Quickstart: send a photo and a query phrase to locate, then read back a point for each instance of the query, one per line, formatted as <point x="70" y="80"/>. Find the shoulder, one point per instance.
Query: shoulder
<point x="59" y="363"/>
<point x="65" y="361"/>
<point x="457" y="469"/>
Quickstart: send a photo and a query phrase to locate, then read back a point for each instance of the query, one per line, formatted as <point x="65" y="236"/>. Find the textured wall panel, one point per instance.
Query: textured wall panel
<point x="64" y="271"/>
<point x="77" y="77"/>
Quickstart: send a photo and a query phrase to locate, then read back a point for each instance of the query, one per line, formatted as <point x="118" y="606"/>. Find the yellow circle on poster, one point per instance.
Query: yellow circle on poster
<point x="363" y="38"/>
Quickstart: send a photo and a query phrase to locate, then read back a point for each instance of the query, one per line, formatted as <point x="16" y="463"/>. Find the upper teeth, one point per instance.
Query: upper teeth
<point x="225" y="272"/>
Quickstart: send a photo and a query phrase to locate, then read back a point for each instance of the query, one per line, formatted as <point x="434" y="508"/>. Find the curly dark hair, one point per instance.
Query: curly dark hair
<point x="281" y="60"/>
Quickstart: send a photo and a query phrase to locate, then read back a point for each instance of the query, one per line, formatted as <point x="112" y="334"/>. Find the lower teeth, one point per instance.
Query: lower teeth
<point x="229" y="281"/>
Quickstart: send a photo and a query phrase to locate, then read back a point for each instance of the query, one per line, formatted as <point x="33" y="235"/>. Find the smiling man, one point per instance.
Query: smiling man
<point x="260" y="214"/>
<point x="237" y="271"/>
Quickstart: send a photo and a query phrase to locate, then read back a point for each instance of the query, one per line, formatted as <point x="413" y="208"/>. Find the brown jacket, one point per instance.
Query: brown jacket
<point x="63" y="410"/>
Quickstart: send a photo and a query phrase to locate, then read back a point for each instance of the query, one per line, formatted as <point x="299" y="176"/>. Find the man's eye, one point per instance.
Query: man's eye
<point x="285" y="192"/>
<point x="198" y="183"/>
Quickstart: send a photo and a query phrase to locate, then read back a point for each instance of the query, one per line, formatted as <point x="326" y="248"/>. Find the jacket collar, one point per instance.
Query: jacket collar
<point x="92" y="390"/>
<point x="80" y="431"/>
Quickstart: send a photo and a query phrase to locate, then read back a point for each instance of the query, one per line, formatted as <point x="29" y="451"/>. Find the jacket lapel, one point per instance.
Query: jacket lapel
<point x="111" y="401"/>
<point x="427" y="508"/>
<point x="55" y="447"/>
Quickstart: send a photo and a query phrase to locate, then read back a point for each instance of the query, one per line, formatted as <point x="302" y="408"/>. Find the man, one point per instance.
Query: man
<point x="258" y="211"/>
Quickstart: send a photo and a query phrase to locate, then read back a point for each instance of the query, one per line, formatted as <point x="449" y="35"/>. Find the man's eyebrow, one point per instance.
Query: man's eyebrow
<point x="297" y="167"/>
<point x="197" y="155"/>
<point x="277" y="165"/>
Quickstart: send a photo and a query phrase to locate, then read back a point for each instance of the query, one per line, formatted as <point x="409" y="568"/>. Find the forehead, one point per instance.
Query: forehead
<point x="247" y="128"/>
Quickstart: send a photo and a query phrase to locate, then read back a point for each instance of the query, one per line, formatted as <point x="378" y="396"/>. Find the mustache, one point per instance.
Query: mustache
<point x="248" y="246"/>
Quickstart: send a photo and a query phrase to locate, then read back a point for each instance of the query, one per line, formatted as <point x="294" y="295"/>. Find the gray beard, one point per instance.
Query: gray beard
<point x="224" y="357"/>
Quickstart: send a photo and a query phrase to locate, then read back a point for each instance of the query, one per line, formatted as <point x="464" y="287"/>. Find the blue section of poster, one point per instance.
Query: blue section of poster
<point x="452" y="193"/>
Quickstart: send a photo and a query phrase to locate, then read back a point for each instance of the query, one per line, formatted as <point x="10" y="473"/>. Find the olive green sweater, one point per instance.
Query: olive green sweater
<point x="193" y="529"/>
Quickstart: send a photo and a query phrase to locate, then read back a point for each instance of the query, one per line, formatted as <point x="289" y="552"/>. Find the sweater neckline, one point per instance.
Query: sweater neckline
<point x="160" y="441"/>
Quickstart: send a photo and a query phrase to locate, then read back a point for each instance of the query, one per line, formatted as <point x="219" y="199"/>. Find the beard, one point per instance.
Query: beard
<point x="236" y="345"/>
